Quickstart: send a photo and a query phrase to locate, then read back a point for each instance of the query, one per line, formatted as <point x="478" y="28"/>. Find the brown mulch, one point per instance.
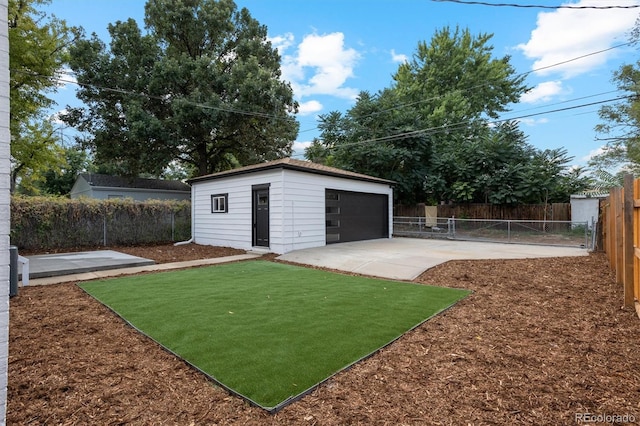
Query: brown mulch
<point x="538" y="341"/>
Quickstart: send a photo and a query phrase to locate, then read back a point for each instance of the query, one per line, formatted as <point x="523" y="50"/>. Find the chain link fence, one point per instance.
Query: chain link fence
<point x="543" y="232"/>
<point x="50" y="224"/>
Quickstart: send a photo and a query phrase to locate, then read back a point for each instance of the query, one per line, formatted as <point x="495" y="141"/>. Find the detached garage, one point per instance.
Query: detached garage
<point x="289" y="204"/>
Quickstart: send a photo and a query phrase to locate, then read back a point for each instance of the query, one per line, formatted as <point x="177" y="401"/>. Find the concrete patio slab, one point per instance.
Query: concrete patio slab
<point x="407" y="258"/>
<point x="99" y="274"/>
<point x="52" y="265"/>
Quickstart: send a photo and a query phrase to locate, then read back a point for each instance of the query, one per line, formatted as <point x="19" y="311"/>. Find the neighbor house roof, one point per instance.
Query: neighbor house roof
<point x="106" y="181"/>
<point x="293" y="164"/>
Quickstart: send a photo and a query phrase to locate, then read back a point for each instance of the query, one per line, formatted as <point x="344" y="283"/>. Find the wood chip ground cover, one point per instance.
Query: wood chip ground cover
<point x="538" y="342"/>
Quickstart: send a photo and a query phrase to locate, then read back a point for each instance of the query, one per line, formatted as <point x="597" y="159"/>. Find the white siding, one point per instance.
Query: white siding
<point x="296" y="208"/>
<point x="4" y="207"/>
<point x="234" y="228"/>
<point x="304" y="218"/>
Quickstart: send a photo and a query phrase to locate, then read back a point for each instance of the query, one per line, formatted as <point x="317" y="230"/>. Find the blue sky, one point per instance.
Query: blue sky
<point x="333" y="49"/>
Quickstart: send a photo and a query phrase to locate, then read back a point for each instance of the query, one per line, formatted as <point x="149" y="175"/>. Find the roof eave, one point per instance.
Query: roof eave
<point x="290" y="167"/>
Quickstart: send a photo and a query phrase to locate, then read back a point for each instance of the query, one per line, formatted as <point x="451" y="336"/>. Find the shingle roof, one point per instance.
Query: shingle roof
<point x="99" y="180"/>
<point x="293" y="164"/>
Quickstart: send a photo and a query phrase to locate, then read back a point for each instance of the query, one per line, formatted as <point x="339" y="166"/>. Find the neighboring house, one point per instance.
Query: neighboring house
<point x="289" y="204"/>
<point x="102" y="187"/>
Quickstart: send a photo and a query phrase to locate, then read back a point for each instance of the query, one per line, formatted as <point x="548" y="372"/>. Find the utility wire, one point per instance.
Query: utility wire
<point x="146" y="95"/>
<point x="577" y="58"/>
<point x="265" y="115"/>
<point x="486" y="84"/>
<point x="537" y="6"/>
<point x="460" y="125"/>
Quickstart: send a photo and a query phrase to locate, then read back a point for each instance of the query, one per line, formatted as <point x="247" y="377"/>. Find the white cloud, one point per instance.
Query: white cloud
<point x="566" y="34"/>
<point x="56" y="117"/>
<point x="282" y="42"/>
<point x="543" y="92"/>
<point x="307" y="108"/>
<point x="594" y="153"/>
<point x="533" y="121"/>
<point x="321" y="66"/>
<point x="299" y="147"/>
<point x="398" y="57"/>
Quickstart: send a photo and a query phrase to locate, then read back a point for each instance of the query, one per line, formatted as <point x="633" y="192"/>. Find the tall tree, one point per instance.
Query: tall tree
<point x="60" y="181"/>
<point x="440" y="101"/>
<point x="620" y="126"/>
<point x="453" y="80"/>
<point x="201" y="87"/>
<point x="621" y="123"/>
<point x="38" y="50"/>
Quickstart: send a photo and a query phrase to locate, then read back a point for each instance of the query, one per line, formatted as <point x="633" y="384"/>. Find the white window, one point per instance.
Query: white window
<point x="219" y="203"/>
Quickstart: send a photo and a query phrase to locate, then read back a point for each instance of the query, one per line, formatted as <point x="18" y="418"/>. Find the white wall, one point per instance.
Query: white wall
<point x="584" y="209"/>
<point x="296" y="208"/>
<point x="302" y="221"/>
<point x="5" y="221"/>
<point x="234" y="228"/>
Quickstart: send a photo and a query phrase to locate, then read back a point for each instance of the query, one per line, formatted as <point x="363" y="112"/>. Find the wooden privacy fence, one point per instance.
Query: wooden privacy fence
<point x="555" y="211"/>
<point x="621" y="236"/>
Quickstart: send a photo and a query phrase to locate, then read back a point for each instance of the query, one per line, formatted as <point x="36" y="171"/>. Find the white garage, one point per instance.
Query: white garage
<point x="289" y="204"/>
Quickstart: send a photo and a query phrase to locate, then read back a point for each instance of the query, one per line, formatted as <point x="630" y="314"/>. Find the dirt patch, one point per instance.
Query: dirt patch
<point x="538" y="342"/>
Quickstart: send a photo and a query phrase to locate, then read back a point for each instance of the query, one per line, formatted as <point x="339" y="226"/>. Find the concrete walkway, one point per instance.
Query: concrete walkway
<point x="407" y="258"/>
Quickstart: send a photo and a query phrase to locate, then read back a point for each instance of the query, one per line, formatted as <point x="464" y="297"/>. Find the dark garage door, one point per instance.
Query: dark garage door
<point x="355" y="216"/>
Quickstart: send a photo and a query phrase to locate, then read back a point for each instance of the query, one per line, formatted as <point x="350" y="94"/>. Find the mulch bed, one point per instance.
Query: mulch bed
<point x="539" y="341"/>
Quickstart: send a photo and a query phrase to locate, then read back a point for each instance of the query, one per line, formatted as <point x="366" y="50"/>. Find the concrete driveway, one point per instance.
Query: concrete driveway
<point x="407" y="258"/>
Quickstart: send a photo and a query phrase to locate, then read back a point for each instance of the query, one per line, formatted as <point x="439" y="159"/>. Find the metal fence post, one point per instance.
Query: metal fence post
<point x="451" y="226"/>
<point x="173" y="226"/>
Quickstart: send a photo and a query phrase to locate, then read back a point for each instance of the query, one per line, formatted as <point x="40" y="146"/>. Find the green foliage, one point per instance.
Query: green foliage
<point x="430" y="131"/>
<point x="38" y="51"/>
<point x="202" y="88"/>
<point x="359" y="141"/>
<point x="621" y="123"/>
<point x="47" y="223"/>
<point x="60" y="182"/>
<point x="453" y="79"/>
<point x="620" y="126"/>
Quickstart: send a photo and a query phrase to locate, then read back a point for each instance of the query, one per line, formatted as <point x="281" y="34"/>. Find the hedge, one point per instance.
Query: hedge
<point x="50" y="223"/>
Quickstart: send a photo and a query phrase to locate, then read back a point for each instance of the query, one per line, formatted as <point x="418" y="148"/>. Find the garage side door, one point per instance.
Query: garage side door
<point x="356" y="216"/>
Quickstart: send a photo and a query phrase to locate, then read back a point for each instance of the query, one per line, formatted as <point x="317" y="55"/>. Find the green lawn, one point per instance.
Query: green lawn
<point x="270" y="331"/>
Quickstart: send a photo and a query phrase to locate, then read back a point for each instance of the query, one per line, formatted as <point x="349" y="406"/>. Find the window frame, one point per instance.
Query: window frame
<point x="218" y="197"/>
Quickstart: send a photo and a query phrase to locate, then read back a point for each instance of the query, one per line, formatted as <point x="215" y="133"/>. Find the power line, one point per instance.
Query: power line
<point x="537" y="6"/>
<point x="486" y="84"/>
<point x="460" y="125"/>
<point x="577" y="58"/>
<point x="269" y="116"/>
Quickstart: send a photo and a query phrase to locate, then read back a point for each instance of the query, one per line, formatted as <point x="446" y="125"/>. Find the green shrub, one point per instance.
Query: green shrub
<point x="48" y="223"/>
